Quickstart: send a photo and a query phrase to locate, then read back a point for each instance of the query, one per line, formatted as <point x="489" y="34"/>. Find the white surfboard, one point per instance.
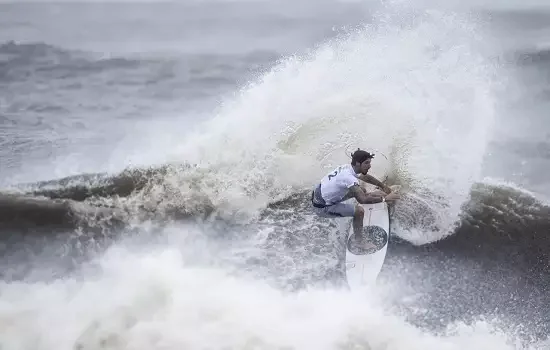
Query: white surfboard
<point x="364" y="261"/>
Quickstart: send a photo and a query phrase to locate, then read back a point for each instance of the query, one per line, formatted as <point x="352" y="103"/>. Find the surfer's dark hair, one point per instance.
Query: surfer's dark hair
<point x="360" y="156"/>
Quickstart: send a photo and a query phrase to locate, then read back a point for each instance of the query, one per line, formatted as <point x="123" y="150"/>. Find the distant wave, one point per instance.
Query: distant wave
<point x="535" y="56"/>
<point x="17" y="60"/>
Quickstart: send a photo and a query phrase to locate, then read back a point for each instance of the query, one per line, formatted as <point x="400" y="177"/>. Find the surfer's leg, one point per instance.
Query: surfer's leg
<point x="359" y="214"/>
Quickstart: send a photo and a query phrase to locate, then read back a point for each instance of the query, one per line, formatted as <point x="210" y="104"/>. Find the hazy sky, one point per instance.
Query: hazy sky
<point x="485" y="3"/>
<point x="494" y="4"/>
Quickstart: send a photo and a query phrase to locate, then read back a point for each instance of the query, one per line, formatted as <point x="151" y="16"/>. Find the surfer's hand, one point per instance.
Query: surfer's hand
<point x="392" y="196"/>
<point x="386" y="189"/>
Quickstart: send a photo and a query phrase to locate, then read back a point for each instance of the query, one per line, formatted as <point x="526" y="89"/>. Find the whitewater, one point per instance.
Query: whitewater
<point x="214" y="247"/>
<point x="158" y="300"/>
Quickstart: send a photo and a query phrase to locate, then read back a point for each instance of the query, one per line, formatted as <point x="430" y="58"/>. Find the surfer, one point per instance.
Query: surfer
<point x="342" y="184"/>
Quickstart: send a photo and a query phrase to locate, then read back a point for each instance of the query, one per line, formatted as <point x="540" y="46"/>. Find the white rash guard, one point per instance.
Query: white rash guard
<point x="335" y="185"/>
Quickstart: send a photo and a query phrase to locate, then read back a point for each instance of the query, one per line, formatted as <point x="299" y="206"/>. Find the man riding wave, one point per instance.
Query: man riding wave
<point x="342" y="184"/>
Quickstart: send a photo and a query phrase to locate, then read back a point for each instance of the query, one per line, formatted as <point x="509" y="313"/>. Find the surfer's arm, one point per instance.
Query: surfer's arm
<point x="374" y="181"/>
<point x="362" y="197"/>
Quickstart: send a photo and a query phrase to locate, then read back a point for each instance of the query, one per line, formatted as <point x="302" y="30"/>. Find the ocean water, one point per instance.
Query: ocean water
<point x="157" y="159"/>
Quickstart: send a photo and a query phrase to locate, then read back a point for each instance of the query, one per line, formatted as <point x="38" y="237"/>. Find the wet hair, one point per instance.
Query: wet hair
<point x="360" y="156"/>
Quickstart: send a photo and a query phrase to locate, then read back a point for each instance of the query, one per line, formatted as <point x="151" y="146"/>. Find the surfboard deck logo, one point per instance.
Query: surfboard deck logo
<point x="372" y="240"/>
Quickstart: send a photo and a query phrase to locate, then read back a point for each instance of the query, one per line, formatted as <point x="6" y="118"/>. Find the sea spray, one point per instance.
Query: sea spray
<point x="416" y="88"/>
